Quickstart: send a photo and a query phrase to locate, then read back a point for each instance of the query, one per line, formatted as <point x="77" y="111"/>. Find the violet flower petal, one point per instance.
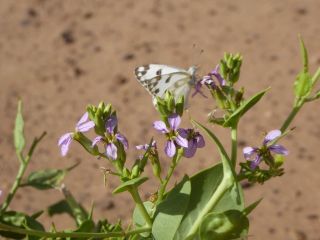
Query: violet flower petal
<point x="181" y="141"/>
<point x="160" y="126"/>
<point x="146" y="146"/>
<point x="170" y="148"/>
<point x="191" y="149"/>
<point x="272" y="135"/>
<point x="84" y="127"/>
<point x="200" y="141"/>
<point x="111" y="124"/>
<point x="123" y="140"/>
<point x="111" y="151"/>
<point x="174" y="121"/>
<point x="83" y="119"/>
<point x="255" y="163"/>
<point x="96" y="140"/>
<point x="216" y="73"/>
<point x="249" y="152"/>
<point x="279" y="149"/>
<point x="64" y="143"/>
<point x="183" y="132"/>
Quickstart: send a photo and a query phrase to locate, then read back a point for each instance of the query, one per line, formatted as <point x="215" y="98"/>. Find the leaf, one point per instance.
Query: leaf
<point x="245" y="106"/>
<point x="45" y="179"/>
<point x="170" y="212"/>
<point x="138" y="218"/>
<point x="203" y="186"/>
<point x="124" y="186"/>
<point x="18" y="133"/>
<point x="251" y="207"/>
<point x="229" y="225"/>
<point x="20" y="220"/>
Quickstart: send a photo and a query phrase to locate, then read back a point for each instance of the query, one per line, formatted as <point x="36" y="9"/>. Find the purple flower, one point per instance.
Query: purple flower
<point x="195" y="140"/>
<point x="256" y="155"/>
<point x="112" y="137"/>
<point x="172" y="134"/>
<point x="146" y="146"/>
<point x="210" y="80"/>
<point x="82" y="126"/>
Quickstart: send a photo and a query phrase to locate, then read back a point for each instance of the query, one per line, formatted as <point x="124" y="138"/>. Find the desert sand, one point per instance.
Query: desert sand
<point x="58" y="56"/>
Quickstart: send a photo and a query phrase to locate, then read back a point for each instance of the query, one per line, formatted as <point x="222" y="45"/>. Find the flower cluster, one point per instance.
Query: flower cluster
<point x="111" y="137"/>
<point x="256" y="155"/>
<point x="185" y="138"/>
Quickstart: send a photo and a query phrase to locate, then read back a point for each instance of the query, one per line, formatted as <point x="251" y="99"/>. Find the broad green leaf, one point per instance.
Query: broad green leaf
<point x="203" y="186"/>
<point x="18" y="133"/>
<point x="45" y="179"/>
<point x="245" y="106"/>
<point x="124" y="186"/>
<point x="229" y="225"/>
<point x="170" y="212"/>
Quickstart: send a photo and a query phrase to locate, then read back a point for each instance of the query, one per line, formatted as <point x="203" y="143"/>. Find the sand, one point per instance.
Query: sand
<point x="58" y="56"/>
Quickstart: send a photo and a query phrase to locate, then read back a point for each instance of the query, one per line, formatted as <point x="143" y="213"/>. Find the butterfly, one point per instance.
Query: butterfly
<point x="157" y="79"/>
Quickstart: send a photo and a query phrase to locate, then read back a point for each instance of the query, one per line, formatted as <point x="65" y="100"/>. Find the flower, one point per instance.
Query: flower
<point x="111" y="138"/>
<point x="210" y="80"/>
<point x="195" y="140"/>
<point x="172" y="134"/>
<point x="82" y="126"/>
<point x="256" y="155"/>
<point x="146" y="146"/>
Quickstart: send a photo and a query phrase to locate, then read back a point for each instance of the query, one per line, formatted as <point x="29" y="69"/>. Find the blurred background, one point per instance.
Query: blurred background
<point x="58" y="56"/>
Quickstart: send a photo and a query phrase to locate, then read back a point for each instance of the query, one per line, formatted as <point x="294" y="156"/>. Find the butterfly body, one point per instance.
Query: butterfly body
<point x="157" y="79"/>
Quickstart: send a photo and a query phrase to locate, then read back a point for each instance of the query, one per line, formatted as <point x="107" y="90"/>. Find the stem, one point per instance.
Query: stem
<point x="136" y="197"/>
<point x="23" y="166"/>
<point x="55" y="235"/>
<point x="291" y="116"/>
<point x="165" y="182"/>
<point x="234" y="142"/>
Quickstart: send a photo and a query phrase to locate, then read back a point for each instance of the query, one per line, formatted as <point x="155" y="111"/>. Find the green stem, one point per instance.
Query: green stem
<point x="234" y="144"/>
<point x="291" y="116"/>
<point x="136" y="197"/>
<point x="53" y="235"/>
<point x="164" y="184"/>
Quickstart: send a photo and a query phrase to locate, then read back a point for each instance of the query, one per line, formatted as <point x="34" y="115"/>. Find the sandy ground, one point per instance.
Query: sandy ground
<point x="58" y="56"/>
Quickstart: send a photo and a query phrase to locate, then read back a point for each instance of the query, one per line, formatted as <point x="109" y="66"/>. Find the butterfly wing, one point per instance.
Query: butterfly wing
<point x="156" y="79"/>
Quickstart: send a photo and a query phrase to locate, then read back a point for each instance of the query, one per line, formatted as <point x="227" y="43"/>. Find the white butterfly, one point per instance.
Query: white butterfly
<point x="156" y="79"/>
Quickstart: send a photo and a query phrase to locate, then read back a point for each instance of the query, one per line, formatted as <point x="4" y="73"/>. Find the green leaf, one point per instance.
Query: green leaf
<point x="251" y="207"/>
<point x="203" y="186"/>
<point x="245" y="106"/>
<point x="139" y="220"/>
<point x="45" y="179"/>
<point x="18" y="133"/>
<point x="20" y="220"/>
<point x="229" y="225"/>
<point x="124" y="186"/>
<point x="170" y="212"/>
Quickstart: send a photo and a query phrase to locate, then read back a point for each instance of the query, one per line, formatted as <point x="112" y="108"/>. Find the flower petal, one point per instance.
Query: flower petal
<point x="249" y="152"/>
<point x="112" y="151"/>
<point x="184" y="132"/>
<point x="216" y="73"/>
<point x="160" y="126"/>
<point x="96" y="140"/>
<point x="279" y="149"/>
<point x="111" y="124"/>
<point x="191" y="149"/>
<point x="83" y="119"/>
<point x="181" y="141"/>
<point x="84" y="127"/>
<point x="170" y="148"/>
<point x="64" y="143"/>
<point x="273" y="134"/>
<point x="123" y="140"/>
<point x="174" y="121"/>
<point x="200" y="141"/>
<point x="255" y="163"/>
<point x="146" y="146"/>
